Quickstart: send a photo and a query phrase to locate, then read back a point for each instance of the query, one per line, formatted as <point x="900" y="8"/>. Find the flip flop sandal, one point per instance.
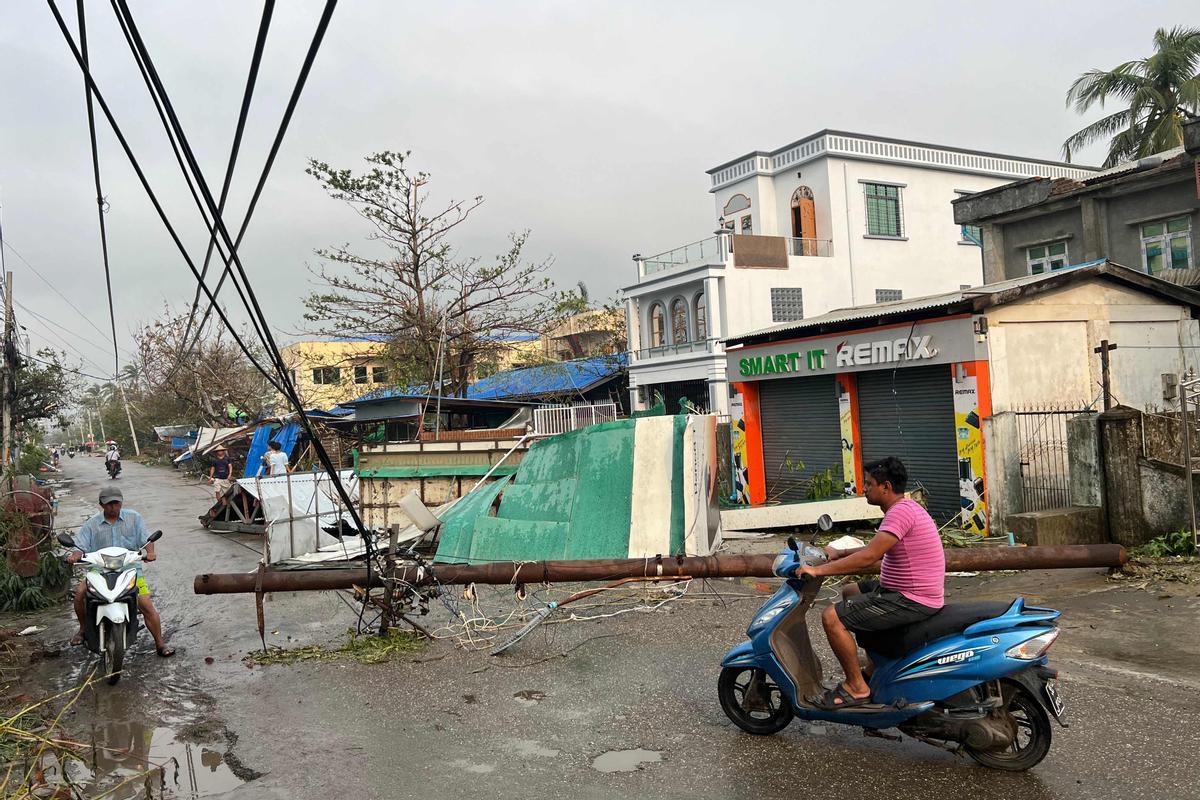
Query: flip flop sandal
<point x="77" y="639"/>
<point x="166" y="651"/>
<point x="829" y="701"/>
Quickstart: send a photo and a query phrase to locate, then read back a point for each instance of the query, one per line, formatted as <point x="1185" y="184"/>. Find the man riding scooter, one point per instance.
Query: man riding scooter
<point x="112" y="460"/>
<point x="115" y="526"/>
<point x="909" y="589"/>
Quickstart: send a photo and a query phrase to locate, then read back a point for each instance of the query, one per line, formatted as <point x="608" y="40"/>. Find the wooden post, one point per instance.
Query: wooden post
<point x="389" y="579"/>
<point x="1105" y="373"/>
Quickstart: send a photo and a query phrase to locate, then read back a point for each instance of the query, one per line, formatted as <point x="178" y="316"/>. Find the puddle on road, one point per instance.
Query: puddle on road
<point x="625" y="760"/>
<point x="133" y="761"/>
<point x="530" y="747"/>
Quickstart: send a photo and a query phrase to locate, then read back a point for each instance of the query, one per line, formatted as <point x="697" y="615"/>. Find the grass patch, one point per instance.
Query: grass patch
<point x="363" y="648"/>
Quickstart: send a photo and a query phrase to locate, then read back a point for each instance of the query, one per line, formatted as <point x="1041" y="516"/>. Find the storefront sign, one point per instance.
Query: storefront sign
<point x="924" y="343"/>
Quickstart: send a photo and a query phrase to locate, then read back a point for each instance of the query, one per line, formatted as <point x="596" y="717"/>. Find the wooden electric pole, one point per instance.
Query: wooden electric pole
<point x="1105" y="372"/>
<point x="8" y="367"/>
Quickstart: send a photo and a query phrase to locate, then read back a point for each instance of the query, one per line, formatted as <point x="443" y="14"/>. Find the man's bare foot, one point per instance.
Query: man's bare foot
<point x="77" y="639"/>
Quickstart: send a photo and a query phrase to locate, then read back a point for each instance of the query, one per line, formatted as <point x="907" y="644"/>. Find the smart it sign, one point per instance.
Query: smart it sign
<point x="925" y="343"/>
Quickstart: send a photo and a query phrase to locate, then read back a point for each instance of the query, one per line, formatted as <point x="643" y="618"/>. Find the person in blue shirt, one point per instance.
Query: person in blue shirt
<point x="116" y="526"/>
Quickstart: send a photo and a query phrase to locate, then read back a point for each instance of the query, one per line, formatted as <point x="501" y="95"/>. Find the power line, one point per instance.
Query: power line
<point x="69" y="346"/>
<point x="67" y="369"/>
<point x="57" y="326"/>
<point x="55" y="289"/>
<point x="100" y="202"/>
<point x="251" y="78"/>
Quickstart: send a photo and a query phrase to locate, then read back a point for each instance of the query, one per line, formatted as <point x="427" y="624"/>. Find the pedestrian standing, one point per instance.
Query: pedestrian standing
<point x="220" y="474"/>
<point x="277" y="460"/>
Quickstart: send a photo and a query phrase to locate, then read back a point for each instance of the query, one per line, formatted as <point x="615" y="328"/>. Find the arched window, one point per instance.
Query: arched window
<point x="658" y="326"/>
<point x="679" y="321"/>
<point x="701" y="318"/>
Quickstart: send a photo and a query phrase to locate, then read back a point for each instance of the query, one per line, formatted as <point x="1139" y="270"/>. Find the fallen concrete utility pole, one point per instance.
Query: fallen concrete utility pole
<point x="976" y="559"/>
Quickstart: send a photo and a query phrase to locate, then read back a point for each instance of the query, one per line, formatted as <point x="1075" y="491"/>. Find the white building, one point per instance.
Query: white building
<point x="833" y="220"/>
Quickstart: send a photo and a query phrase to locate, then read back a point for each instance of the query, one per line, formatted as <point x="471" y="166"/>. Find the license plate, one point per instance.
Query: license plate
<point x="1054" y="699"/>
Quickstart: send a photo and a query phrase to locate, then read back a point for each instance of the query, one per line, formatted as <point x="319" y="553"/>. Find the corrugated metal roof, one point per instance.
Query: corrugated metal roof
<point x="1130" y="166"/>
<point x="557" y="378"/>
<point x="898" y="307"/>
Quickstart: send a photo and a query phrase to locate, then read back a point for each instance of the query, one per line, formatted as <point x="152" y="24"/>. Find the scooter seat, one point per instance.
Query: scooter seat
<point x="952" y="619"/>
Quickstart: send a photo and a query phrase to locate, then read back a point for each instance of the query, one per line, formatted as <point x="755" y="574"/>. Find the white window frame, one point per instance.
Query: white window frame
<point x="1164" y="241"/>
<point x="1046" y="260"/>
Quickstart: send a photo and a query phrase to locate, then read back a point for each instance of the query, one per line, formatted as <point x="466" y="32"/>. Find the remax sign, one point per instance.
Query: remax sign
<point x="924" y="343"/>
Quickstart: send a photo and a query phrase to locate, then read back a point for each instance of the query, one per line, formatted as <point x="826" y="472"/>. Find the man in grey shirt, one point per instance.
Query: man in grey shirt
<point x="116" y="526"/>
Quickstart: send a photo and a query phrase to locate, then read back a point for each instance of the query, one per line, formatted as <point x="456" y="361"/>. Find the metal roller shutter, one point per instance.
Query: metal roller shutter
<point x="800" y="422"/>
<point x="915" y="423"/>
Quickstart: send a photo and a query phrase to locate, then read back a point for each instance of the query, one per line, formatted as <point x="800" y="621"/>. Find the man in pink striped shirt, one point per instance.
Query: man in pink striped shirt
<point x="912" y="571"/>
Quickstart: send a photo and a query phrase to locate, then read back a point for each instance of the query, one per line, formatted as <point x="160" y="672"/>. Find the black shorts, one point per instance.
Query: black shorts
<point x="880" y="609"/>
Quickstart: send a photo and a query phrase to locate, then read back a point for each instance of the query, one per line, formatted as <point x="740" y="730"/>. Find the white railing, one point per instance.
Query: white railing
<point x="679" y="348"/>
<point x="560" y="419"/>
<point x="822" y="248"/>
<point x="711" y="249"/>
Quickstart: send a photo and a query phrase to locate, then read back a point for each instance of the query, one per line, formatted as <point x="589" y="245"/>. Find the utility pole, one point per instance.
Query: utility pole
<point x="8" y="366"/>
<point x="100" y="416"/>
<point x="132" y="433"/>
<point x="1105" y="373"/>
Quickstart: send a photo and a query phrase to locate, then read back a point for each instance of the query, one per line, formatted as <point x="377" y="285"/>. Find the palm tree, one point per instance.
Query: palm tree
<point x="1162" y="92"/>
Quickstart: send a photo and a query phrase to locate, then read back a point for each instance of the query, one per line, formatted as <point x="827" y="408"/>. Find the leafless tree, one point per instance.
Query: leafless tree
<point x="202" y="386"/>
<point x="416" y="292"/>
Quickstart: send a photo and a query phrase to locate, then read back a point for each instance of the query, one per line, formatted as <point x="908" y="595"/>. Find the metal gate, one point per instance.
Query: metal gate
<point x="909" y="413"/>
<point x="1044" y="458"/>
<point x="801" y="433"/>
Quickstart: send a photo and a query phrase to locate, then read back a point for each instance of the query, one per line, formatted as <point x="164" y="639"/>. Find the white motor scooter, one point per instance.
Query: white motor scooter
<point x="110" y="619"/>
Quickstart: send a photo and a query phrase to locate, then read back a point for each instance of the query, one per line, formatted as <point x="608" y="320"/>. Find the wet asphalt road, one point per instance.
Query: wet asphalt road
<point x="454" y="723"/>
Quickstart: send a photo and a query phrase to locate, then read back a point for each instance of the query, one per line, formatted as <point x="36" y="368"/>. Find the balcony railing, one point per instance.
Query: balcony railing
<point x="711" y="249"/>
<point x="680" y="348"/>
<point x="822" y="248"/>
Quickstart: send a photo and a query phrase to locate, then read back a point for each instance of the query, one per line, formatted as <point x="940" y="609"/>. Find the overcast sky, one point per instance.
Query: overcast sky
<point x="589" y="123"/>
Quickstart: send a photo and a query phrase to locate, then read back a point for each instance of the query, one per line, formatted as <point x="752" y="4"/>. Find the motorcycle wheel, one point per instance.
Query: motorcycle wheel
<point x="114" y="652"/>
<point x="731" y="691"/>
<point x="1032" y="742"/>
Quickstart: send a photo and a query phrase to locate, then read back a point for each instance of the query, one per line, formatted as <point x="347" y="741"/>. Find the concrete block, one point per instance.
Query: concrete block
<point x="1072" y="525"/>
<point x="1086" y="470"/>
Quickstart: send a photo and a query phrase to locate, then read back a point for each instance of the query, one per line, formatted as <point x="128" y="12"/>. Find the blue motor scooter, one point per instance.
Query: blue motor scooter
<point x="972" y="677"/>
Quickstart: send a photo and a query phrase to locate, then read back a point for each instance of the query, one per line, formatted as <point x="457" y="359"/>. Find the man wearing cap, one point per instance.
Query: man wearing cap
<point x="115" y="526"/>
<point x="220" y="473"/>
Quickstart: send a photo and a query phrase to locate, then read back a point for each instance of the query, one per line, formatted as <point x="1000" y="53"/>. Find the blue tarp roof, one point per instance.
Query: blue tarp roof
<point x="560" y="377"/>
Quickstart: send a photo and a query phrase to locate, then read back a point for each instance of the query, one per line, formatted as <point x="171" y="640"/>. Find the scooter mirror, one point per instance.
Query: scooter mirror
<point x="825" y="522"/>
<point x="65" y="540"/>
<point x="795" y="548"/>
<point x="154" y="537"/>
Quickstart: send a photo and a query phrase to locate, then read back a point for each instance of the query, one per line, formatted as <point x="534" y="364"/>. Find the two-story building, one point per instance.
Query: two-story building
<point x="329" y="372"/>
<point x="831" y="221"/>
<point x="1143" y="214"/>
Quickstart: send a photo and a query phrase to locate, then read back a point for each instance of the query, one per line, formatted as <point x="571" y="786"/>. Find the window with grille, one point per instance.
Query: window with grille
<point x="888" y="295"/>
<point x="787" y="305"/>
<point x="884" y="216"/>
<point x="1046" y="258"/>
<point x="969" y="234"/>
<point x="379" y="374"/>
<point x="1167" y="245"/>
<point x="658" y="326"/>
<point x="324" y="376"/>
<point x="360" y="374"/>
<point x="701" y="318"/>
<point x="679" y="321"/>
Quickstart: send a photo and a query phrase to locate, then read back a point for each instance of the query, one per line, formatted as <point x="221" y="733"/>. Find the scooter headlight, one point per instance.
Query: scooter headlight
<point x="112" y="562"/>
<point x="1033" y="648"/>
<point x="768" y="615"/>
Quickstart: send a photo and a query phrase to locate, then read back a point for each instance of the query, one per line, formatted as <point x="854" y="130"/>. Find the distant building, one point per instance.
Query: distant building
<point x="1143" y="214"/>
<point x="597" y="332"/>
<point x="830" y="221"/>
<point x="326" y="373"/>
